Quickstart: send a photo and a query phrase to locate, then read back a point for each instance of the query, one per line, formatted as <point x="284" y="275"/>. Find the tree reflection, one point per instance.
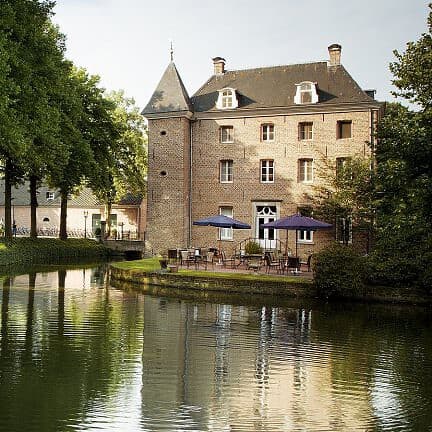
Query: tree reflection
<point x="71" y="356"/>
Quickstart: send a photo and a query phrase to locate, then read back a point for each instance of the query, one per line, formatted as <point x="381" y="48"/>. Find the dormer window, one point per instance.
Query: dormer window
<point x="306" y="93"/>
<point x="227" y="99"/>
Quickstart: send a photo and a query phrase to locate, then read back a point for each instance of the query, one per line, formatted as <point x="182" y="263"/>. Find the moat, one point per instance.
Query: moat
<point x="79" y="355"/>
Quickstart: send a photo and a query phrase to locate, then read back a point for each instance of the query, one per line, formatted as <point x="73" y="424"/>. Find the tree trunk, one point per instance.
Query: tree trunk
<point x="8" y="200"/>
<point x="108" y="207"/>
<point x="63" y="216"/>
<point x="33" y="206"/>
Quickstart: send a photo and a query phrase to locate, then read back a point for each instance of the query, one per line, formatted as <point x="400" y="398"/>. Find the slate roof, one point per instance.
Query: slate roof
<point x="170" y="94"/>
<point x="85" y="198"/>
<point x="272" y="87"/>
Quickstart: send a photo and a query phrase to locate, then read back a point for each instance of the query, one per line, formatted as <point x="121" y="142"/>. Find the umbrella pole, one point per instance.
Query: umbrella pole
<point x="296" y="243"/>
<point x="286" y="244"/>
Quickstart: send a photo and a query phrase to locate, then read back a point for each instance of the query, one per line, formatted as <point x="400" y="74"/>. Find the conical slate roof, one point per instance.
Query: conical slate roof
<point x="170" y="94"/>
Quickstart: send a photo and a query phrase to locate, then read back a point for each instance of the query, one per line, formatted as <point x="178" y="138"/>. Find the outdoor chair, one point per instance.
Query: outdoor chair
<point x="272" y="263"/>
<point x="228" y="261"/>
<point x="307" y="263"/>
<point x="186" y="258"/>
<point x="172" y="255"/>
<point x="254" y="264"/>
<point x="208" y="259"/>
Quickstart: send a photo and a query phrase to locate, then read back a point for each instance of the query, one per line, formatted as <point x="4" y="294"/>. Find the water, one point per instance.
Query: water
<point x="89" y="357"/>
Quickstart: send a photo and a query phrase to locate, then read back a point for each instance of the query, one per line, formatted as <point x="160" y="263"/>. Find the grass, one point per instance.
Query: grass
<point x="151" y="265"/>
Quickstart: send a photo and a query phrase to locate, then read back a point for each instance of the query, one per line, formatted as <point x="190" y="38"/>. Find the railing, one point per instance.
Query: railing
<point x="266" y="245"/>
<point x="53" y="231"/>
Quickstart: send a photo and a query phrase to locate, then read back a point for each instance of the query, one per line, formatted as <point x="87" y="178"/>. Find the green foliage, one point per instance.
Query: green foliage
<point x="402" y="258"/>
<point x="404" y="173"/>
<point x="412" y="70"/>
<point x="252" y="248"/>
<point x="345" y="192"/>
<point x="49" y="251"/>
<point x="339" y="271"/>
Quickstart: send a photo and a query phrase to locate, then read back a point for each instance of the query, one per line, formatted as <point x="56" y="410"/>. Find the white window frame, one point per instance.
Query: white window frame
<point x="338" y="233"/>
<point x="226" y="233"/>
<point x="227" y="99"/>
<point x="303" y="88"/>
<point x="305" y="236"/>
<point x="267" y="132"/>
<point x="226" y="134"/>
<point x="306" y="170"/>
<point x="267" y="170"/>
<point x="302" y="131"/>
<point x="50" y="196"/>
<point x="226" y="171"/>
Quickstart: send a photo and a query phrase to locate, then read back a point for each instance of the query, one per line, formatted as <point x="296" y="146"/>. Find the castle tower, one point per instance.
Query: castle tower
<point x="169" y="114"/>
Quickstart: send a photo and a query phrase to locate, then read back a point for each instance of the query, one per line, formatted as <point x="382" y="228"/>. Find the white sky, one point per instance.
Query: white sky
<point x="126" y="42"/>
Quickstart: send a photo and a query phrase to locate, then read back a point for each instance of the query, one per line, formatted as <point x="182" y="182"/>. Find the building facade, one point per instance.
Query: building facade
<point x="249" y="144"/>
<point x="84" y="215"/>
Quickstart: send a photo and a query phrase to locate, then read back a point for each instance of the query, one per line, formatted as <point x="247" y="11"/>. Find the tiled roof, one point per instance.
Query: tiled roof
<point x="272" y="87"/>
<point x="85" y="198"/>
<point x="170" y="94"/>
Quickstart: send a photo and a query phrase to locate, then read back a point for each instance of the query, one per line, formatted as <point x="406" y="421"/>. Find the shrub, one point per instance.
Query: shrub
<point x="338" y="271"/>
<point x="252" y="248"/>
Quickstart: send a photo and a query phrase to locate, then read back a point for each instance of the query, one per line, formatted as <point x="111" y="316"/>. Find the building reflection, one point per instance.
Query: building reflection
<point x="222" y="367"/>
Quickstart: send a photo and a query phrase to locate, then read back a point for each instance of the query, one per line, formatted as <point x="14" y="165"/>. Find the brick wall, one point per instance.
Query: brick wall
<point x="167" y="211"/>
<point x="287" y="193"/>
<point x="168" y="181"/>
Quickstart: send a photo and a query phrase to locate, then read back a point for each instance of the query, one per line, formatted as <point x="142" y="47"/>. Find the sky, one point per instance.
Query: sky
<point x="127" y="42"/>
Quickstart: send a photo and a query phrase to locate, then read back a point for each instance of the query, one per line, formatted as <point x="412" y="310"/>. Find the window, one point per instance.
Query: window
<point x="305" y="131"/>
<point x="267" y="132"/>
<point x="343" y="129"/>
<point x="344" y="230"/>
<point x="306" y="93"/>
<point x="304" y="236"/>
<point x="226" y="134"/>
<point x="227" y="99"/>
<point x="226" y="171"/>
<point x="267" y="171"/>
<point x="226" y="233"/>
<point x="306" y="170"/>
<point x="342" y="164"/>
<point x="49" y="196"/>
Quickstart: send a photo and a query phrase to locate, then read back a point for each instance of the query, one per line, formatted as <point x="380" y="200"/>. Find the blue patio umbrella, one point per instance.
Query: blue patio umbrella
<point x="221" y="221"/>
<point x="297" y="222"/>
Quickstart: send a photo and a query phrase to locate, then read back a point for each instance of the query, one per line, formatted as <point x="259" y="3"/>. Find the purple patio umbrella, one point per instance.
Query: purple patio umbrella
<point x="297" y="222"/>
<point x="221" y="221"/>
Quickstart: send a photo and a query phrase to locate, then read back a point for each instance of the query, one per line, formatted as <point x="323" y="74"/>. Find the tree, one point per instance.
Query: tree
<point x="345" y="195"/>
<point x="121" y="166"/>
<point x="34" y="65"/>
<point x="80" y="117"/>
<point x="404" y="170"/>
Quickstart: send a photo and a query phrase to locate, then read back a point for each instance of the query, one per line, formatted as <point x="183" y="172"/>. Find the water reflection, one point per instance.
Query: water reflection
<point x="77" y="354"/>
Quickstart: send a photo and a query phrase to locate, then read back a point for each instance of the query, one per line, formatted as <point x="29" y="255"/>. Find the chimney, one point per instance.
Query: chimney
<point x="219" y="65"/>
<point x="335" y="54"/>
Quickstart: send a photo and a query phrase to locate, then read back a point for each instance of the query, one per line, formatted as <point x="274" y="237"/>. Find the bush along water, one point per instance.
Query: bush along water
<point x="22" y="251"/>
<point x="339" y="272"/>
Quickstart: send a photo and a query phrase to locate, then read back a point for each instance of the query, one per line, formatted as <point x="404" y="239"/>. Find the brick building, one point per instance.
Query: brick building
<point x="247" y="144"/>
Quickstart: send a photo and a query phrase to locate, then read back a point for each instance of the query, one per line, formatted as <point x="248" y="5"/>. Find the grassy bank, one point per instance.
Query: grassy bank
<point x="146" y="275"/>
<point x="25" y="251"/>
<point x="151" y="265"/>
